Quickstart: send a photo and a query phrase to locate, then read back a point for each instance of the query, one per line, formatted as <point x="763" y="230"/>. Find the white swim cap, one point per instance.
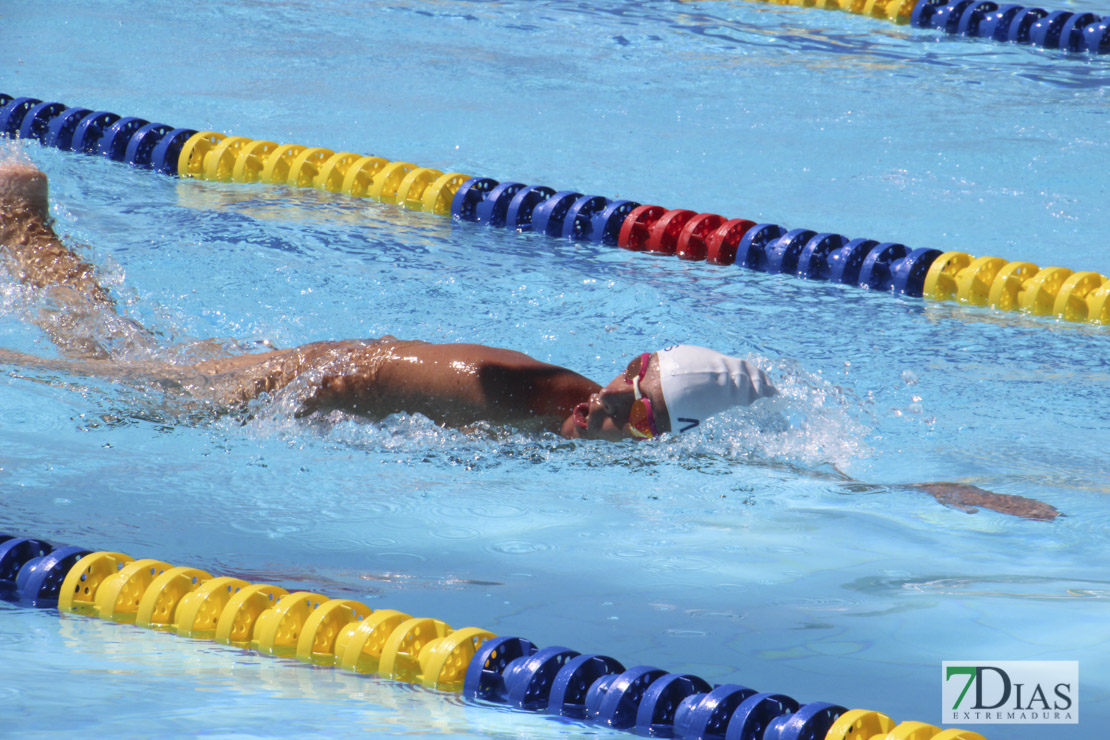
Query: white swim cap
<point x="699" y="382"/>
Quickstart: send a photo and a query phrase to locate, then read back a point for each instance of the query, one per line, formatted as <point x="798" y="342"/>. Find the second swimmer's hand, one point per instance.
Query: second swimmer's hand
<point x="971" y="498"/>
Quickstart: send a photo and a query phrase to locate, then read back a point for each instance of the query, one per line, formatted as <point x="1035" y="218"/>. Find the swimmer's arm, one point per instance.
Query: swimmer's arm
<point x="970" y="498"/>
<point x="962" y="496"/>
<point x="367" y="377"/>
<point x="32" y="252"/>
<point x="454" y="385"/>
<point x="967" y="498"/>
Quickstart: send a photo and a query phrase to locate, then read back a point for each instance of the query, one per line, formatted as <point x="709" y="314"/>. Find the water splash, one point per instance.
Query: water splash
<point x="11" y="152"/>
<point x="812" y="422"/>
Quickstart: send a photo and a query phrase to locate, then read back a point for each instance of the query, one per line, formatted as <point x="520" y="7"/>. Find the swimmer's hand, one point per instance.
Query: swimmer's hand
<point x="25" y="185"/>
<point x="970" y="498"/>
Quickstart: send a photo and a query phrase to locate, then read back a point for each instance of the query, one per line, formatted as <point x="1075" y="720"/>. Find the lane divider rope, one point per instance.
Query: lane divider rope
<point x="1062" y="30"/>
<point x="891" y="267"/>
<point x="347" y="634"/>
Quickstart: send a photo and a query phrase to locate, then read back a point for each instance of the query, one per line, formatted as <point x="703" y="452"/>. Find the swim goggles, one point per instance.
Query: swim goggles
<point x="641" y="420"/>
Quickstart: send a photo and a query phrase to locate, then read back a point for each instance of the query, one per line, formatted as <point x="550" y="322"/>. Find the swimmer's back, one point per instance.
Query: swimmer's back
<point x="453" y="384"/>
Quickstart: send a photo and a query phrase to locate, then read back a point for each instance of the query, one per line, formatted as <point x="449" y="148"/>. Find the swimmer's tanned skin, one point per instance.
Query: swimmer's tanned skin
<point x="452" y="384"/>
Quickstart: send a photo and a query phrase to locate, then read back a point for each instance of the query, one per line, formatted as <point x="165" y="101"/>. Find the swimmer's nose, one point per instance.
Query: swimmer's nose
<point x="616" y="403"/>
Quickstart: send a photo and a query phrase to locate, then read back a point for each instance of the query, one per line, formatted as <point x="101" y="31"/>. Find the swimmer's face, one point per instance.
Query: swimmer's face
<point x="605" y="414"/>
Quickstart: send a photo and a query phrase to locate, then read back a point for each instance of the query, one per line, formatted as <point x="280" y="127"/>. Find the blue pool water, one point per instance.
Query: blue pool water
<point x="736" y="555"/>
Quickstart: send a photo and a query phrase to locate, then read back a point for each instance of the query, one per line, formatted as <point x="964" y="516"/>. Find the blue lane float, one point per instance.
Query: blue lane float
<point x="1063" y="30"/>
<point x="492" y="209"/>
<point x="140" y="147"/>
<point x="519" y="213"/>
<point x="846" y="262"/>
<point x="548" y="217"/>
<point x="32" y="570"/>
<point x="470" y="195"/>
<point x="59" y="134"/>
<point x="90" y="130"/>
<point x="37" y="120"/>
<point x="570" y="694"/>
<point x="528" y="680"/>
<point x="13" y="112"/>
<point x="166" y="151"/>
<point x="708" y="715"/>
<point x="116" y="138"/>
<point x="752" y="252"/>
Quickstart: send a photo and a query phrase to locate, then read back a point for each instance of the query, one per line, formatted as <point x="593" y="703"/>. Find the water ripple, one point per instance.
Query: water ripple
<point x="518" y="547"/>
<point x="1018" y="587"/>
<point x="454" y="533"/>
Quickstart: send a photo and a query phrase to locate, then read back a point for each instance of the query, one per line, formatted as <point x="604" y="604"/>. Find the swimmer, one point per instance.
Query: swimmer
<point x="452" y="384"/>
<point x="667" y="391"/>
